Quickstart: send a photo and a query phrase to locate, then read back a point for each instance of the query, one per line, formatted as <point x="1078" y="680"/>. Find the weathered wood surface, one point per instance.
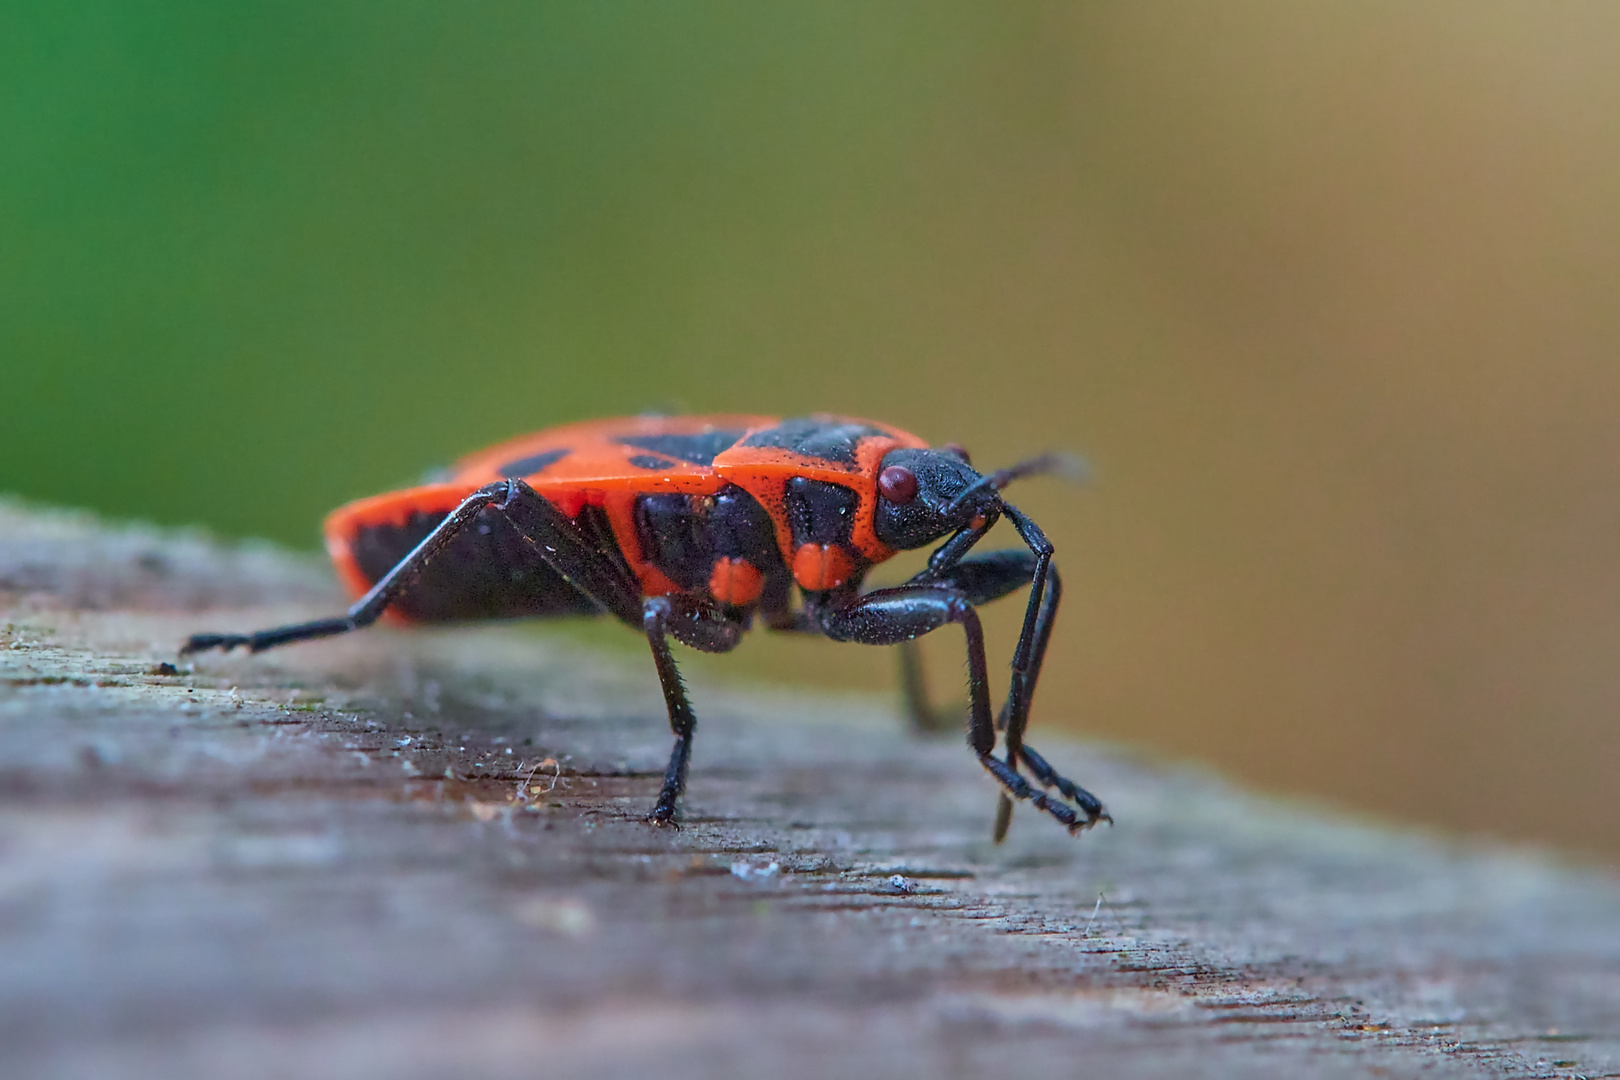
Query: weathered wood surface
<point x="343" y="859"/>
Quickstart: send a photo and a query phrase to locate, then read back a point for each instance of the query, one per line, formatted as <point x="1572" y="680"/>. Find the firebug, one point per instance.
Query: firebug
<point x="690" y="528"/>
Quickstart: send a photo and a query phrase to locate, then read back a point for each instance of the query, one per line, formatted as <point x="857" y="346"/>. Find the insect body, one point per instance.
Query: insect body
<point x="691" y="527"/>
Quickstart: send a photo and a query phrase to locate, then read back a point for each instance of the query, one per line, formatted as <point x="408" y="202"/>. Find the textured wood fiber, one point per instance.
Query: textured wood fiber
<point x="420" y="855"/>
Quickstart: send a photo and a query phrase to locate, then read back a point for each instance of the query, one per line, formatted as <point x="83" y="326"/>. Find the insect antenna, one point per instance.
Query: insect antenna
<point x="1065" y="466"/>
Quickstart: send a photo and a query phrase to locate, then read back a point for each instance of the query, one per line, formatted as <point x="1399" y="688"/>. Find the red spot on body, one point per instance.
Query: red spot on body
<point x="822" y="566"/>
<point x="737" y="582"/>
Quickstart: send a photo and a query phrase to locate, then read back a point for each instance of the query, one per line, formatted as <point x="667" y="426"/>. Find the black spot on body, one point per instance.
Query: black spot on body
<point x="670" y="530"/>
<point x="683" y="535"/>
<point x="739" y="528"/>
<point x="647" y="461"/>
<point x="820" y="512"/>
<point x="827" y="440"/>
<point x="700" y="449"/>
<point x="532" y="464"/>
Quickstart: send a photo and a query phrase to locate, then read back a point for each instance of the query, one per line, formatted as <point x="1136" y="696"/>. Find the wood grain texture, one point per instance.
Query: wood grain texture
<point x="416" y="854"/>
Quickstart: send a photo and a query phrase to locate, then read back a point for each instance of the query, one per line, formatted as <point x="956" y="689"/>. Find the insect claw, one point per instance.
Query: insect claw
<point x="203" y="642"/>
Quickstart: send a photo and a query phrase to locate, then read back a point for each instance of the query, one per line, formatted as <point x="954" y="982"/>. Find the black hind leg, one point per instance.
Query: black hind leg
<point x="560" y="544"/>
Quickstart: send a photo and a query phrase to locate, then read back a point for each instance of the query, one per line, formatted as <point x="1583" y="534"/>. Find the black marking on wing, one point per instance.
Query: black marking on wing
<point x="532" y="464"/>
<point x="487" y="571"/>
<point x="647" y="461"/>
<point x="830" y="441"/>
<point x="596" y="527"/>
<point x="700" y="449"/>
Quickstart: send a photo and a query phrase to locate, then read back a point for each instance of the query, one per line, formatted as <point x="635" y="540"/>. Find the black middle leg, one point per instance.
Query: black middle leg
<point x="702" y="627"/>
<point x="921" y="715"/>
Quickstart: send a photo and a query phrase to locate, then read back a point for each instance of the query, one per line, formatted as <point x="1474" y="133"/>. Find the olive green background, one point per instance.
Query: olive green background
<point x="1327" y="292"/>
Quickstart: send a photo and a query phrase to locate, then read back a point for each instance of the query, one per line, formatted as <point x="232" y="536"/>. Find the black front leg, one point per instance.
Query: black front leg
<point x="1018" y="702"/>
<point x="983" y="578"/>
<point x="1046" y="589"/>
<point x="980" y="579"/>
<point x="892" y="616"/>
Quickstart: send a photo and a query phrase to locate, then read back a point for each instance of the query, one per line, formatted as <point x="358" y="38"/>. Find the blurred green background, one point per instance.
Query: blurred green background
<point x="1327" y="292"/>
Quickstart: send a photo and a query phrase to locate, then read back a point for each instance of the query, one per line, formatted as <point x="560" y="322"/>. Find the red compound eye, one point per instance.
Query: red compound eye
<point x="959" y="450"/>
<point x="898" y="484"/>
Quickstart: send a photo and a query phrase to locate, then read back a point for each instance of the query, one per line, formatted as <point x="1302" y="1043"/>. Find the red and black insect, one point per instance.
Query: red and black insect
<point x="687" y="527"/>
